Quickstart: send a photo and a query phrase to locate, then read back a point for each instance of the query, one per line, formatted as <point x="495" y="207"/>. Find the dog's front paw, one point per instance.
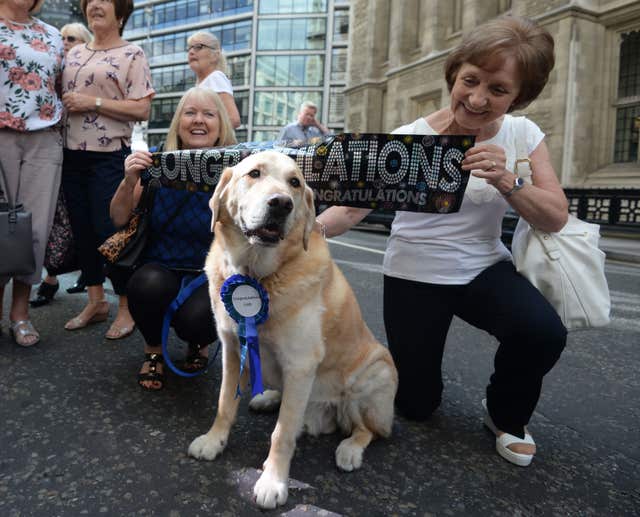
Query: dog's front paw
<point x="270" y="491"/>
<point x="349" y="455"/>
<point x="206" y="447"/>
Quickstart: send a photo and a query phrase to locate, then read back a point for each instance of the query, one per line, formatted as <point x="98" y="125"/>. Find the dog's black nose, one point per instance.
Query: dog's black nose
<point x="280" y="204"/>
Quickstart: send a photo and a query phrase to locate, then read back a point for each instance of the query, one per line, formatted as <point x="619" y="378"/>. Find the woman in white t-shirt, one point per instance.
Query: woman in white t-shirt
<point x="209" y="64"/>
<point x="440" y="265"/>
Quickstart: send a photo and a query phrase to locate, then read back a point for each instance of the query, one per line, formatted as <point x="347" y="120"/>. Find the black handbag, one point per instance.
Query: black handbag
<point x="60" y="254"/>
<point x="17" y="257"/>
<point x="124" y="247"/>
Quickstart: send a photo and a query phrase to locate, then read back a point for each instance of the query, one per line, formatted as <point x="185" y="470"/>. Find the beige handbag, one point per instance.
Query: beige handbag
<point x="567" y="267"/>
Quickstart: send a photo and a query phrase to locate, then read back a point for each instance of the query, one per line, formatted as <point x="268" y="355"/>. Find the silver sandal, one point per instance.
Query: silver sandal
<point x="21" y="329"/>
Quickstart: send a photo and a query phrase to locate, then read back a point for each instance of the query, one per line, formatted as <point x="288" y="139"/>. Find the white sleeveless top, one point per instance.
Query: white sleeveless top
<point x="455" y="248"/>
<point x="218" y="82"/>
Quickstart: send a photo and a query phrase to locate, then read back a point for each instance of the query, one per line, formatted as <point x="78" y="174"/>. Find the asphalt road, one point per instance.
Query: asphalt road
<point x="78" y="437"/>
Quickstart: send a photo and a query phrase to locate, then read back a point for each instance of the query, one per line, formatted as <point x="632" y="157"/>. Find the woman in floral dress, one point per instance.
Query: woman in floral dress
<point x="30" y="112"/>
<point x="106" y="88"/>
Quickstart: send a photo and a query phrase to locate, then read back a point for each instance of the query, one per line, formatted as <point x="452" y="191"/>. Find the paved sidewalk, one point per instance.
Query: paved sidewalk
<point x="626" y="249"/>
<point x="78" y="437"/>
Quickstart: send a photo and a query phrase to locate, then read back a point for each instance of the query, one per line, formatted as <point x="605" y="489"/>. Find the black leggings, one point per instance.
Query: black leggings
<point x="151" y="289"/>
<point x="500" y="301"/>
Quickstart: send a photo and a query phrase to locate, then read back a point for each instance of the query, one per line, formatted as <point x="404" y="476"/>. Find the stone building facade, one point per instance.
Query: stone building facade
<point x="589" y="110"/>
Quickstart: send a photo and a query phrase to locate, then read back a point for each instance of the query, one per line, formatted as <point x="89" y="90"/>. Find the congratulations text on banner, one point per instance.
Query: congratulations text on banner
<point x="416" y="173"/>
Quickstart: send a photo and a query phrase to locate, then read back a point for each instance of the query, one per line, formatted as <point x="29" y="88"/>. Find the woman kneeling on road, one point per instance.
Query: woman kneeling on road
<point x="200" y="122"/>
<point x="455" y="264"/>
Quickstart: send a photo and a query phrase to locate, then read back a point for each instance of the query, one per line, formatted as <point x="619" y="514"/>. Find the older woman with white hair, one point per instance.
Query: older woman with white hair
<point x="31" y="56"/>
<point x="209" y="64"/>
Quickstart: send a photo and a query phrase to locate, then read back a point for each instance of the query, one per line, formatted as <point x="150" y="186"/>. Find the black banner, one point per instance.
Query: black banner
<point x="416" y="173"/>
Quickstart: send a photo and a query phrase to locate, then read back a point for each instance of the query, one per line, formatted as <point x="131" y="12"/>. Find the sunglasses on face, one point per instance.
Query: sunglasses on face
<point x="198" y="47"/>
<point x="70" y="39"/>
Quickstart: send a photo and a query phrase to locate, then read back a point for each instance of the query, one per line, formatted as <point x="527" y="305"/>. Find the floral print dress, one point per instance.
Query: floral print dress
<point x="118" y="73"/>
<point x="30" y="71"/>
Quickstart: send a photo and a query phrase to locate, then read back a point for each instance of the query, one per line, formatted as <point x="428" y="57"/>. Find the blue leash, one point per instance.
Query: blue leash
<point x="188" y="286"/>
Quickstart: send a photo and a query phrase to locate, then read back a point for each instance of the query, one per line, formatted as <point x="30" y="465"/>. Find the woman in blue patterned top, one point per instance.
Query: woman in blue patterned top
<point x="200" y="122"/>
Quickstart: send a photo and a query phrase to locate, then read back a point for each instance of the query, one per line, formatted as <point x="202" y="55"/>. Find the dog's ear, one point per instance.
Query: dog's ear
<point x="310" y="219"/>
<point x="218" y="193"/>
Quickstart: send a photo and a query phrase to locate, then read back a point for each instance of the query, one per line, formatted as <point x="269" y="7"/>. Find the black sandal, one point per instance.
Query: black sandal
<point x="44" y="294"/>
<point x="153" y="374"/>
<point x="194" y="362"/>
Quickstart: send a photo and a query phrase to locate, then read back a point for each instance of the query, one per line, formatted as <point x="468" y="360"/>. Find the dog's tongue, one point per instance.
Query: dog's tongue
<point x="270" y="233"/>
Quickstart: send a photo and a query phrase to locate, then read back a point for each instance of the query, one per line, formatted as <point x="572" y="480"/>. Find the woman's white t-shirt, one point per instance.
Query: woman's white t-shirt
<point x="218" y="82"/>
<point x="455" y="248"/>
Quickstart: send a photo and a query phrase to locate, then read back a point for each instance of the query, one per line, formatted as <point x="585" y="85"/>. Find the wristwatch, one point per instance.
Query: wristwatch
<point x="518" y="183"/>
<point x="98" y="103"/>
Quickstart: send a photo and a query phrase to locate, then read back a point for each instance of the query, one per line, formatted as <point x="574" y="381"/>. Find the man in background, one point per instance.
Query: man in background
<point x="305" y="128"/>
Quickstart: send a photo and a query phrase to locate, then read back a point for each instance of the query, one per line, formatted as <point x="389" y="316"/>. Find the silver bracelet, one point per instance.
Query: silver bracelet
<point x="323" y="229"/>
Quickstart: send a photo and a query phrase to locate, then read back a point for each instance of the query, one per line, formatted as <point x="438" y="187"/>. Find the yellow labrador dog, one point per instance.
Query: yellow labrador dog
<point x="314" y="346"/>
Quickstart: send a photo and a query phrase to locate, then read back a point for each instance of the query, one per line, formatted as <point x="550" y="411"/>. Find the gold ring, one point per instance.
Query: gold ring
<point x="493" y="164"/>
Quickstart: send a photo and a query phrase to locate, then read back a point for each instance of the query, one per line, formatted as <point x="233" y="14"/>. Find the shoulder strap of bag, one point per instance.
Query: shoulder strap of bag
<point x="4" y="194"/>
<point x="523" y="169"/>
<point x="148" y="195"/>
<point x="523" y="163"/>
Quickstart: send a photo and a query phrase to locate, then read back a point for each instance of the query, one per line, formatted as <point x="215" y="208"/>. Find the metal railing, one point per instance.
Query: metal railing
<point x="613" y="208"/>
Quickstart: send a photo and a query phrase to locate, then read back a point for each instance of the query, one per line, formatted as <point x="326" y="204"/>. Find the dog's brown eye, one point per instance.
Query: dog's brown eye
<point x="294" y="182"/>
<point x="255" y="173"/>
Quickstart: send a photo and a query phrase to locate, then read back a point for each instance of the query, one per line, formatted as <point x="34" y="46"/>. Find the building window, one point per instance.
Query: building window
<point x="172" y="78"/>
<point x="241" y="135"/>
<point x="239" y="70"/>
<point x="456" y="16"/>
<point x="155" y="139"/>
<point x="503" y="6"/>
<point x="336" y="106"/>
<point x="341" y="27"/>
<point x="242" y="102"/>
<point x="162" y="111"/>
<point x="278" y="108"/>
<point x="265" y="135"/>
<point x="292" y="34"/>
<point x="338" y="65"/>
<point x="292" y="6"/>
<point x="171" y="14"/>
<point x="173" y="47"/>
<point x="297" y="70"/>
<point x="628" y="101"/>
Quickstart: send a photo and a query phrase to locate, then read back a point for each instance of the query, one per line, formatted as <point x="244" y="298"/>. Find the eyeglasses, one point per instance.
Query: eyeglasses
<point x="198" y="47"/>
<point x="70" y="39"/>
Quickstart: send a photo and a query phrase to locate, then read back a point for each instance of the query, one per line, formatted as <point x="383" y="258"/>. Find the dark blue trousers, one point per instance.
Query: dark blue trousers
<point x="90" y="179"/>
<point x="530" y="333"/>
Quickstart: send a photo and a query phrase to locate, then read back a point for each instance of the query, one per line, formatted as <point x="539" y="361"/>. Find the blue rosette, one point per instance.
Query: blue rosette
<point x="247" y="302"/>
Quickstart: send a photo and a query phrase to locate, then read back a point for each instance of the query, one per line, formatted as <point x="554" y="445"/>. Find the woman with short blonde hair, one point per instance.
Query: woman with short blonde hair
<point x="74" y="34"/>
<point x="209" y="64"/>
